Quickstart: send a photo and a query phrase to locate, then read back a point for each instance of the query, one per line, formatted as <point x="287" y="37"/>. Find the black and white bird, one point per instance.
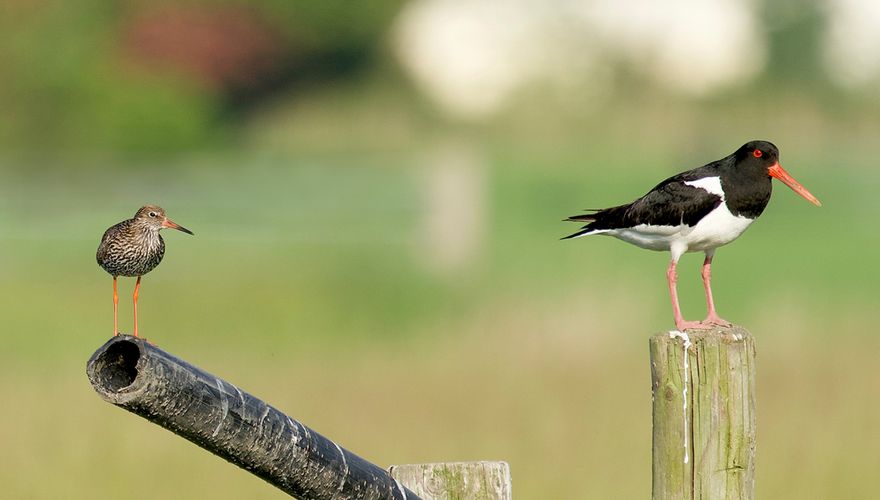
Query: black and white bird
<point x="697" y="211"/>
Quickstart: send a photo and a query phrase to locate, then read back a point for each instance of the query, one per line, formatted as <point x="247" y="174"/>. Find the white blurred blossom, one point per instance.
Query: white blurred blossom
<point x="852" y="41"/>
<point x="473" y="56"/>
<point x="694" y="46"/>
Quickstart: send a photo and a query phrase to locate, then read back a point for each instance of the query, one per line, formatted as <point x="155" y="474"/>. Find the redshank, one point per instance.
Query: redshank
<point x="133" y="248"/>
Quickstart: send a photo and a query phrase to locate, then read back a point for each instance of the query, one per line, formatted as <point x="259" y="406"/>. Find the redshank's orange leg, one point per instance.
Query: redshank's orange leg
<point x="706" y="273"/>
<point x="680" y="323"/>
<point x="137" y="287"/>
<point x="115" y="309"/>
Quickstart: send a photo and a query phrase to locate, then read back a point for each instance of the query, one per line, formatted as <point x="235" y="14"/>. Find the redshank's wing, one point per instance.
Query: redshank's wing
<point x="105" y="253"/>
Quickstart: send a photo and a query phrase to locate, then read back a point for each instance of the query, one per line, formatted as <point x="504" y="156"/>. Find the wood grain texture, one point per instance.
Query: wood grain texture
<point x="720" y="421"/>
<point x="456" y="480"/>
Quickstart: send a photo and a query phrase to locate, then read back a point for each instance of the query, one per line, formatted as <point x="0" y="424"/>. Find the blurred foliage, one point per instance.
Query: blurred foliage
<point x="794" y="41"/>
<point x="148" y="77"/>
<point x="145" y="78"/>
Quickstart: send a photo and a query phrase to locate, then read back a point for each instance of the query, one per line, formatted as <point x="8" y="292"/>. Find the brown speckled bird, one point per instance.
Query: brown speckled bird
<point x="133" y="248"/>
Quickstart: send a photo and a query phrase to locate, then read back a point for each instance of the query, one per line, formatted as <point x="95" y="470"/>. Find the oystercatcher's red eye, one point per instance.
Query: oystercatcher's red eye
<point x="757" y="153"/>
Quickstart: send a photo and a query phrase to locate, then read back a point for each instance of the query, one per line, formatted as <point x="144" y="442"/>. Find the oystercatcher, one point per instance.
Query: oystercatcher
<point x="133" y="248"/>
<point x="697" y="211"/>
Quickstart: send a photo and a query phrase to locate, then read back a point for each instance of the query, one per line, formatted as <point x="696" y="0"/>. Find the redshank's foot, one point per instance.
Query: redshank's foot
<point x="144" y="339"/>
<point x="688" y="325"/>
<point x="715" y="320"/>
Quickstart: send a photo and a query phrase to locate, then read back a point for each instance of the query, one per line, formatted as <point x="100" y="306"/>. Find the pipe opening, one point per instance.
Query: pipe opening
<point x="116" y="367"/>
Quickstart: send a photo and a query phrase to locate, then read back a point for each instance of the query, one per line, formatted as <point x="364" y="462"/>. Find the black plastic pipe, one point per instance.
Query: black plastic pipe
<point x="221" y="418"/>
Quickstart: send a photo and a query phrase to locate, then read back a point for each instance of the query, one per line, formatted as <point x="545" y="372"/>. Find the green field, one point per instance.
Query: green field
<point x="314" y="281"/>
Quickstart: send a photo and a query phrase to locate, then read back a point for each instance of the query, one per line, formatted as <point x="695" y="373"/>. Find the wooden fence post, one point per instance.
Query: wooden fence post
<point x="703" y="386"/>
<point x="456" y="480"/>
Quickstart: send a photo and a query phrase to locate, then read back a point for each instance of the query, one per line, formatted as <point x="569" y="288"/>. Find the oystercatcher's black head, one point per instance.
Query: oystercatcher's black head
<point x="757" y="154"/>
<point x="762" y="158"/>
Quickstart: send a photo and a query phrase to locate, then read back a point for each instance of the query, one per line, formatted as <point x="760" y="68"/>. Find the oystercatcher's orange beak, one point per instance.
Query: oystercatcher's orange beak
<point x="778" y="172"/>
<point x="173" y="225"/>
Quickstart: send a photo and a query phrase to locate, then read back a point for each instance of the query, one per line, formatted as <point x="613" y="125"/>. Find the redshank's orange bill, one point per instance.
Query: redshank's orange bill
<point x="776" y="171"/>
<point x="173" y="225"/>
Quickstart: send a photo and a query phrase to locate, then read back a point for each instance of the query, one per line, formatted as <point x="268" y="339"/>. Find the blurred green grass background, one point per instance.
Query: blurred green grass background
<point x="393" y="277"/>
<point x="306" y="284"/>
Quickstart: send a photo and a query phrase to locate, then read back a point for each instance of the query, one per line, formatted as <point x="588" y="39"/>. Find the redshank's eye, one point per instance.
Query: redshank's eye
<point x="757" y="153"/>
<point x="153" y="214"/>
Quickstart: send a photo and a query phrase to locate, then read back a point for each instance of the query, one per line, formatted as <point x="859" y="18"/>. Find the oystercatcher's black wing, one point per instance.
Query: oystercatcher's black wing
<point x="670" y="203"/>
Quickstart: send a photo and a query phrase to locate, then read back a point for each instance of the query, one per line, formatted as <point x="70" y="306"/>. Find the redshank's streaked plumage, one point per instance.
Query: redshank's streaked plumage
<point x="133" y="248"/>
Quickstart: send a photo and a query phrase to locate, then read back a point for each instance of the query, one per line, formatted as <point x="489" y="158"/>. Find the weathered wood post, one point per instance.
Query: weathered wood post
<point x="703" y="385"/>
<point x="456" y="480"/>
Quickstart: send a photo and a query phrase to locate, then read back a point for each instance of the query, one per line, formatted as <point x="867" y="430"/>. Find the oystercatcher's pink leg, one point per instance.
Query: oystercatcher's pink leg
<point x="115" y="309"/>
<point x="706" y="273"/>
<point x="137" y="287"/>
<point x="680" y="323"/>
